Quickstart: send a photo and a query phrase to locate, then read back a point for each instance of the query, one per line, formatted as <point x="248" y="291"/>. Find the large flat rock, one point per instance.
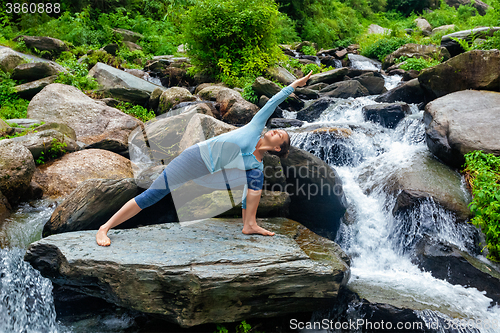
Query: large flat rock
<point x="200" y="272"/>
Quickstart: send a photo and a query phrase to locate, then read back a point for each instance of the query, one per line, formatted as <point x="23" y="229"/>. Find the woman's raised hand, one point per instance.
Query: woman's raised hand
<point x="302" y="81"/>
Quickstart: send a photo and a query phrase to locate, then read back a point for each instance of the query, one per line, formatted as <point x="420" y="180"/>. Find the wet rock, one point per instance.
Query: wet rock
<point x="477" y="70"/>
<point x="9" y="59"/>
<point x="99" y="123"/>
<point x="30" y="89"/>
<point x="306" y="93"/>
<point x="36" y="70"/>
<point x="345" y="89"/>
<point x="313" y="111"/>
<point x="408" y="92"/>
<point x="34" y="192"/>
<point x="284" y="123"/>
<point x="410" y="75"/>
<point x="121" y="85"/>
<point x="315" y="188"/>
<point x="44" y="140"/>
<point x="17" y="167"/>
<point x="447" y="262"/>
<point x="335" y="75"/>
<point x="453" y="129"/>
<point x="373" y="82"/>
<point x="173" y="96"/>
<point x="181" y="283"/>
<point x="173" y="77"/>
<point x="62" y="176"/>
<point x="5" y="207"/>
<point x="385" y="114"/>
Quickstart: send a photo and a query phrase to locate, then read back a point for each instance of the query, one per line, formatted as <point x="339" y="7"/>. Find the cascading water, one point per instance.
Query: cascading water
<point x="380" y="243"/>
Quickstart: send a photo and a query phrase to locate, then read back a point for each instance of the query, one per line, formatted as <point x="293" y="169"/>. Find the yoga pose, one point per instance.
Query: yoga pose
<point x="214" y="155"/>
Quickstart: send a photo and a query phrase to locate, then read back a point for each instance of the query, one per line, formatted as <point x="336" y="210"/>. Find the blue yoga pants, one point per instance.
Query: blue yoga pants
<point x="185" y="167"/>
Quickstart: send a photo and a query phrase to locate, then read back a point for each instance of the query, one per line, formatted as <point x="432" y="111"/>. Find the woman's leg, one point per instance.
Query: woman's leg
<point x="188" y="165"/>
<point x="255" y="182"/>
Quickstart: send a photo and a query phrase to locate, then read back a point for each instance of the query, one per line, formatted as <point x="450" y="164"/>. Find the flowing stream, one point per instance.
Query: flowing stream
<point x="377" y="241"/>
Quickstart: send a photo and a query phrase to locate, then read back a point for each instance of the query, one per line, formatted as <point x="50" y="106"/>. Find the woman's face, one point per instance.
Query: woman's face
<point x="276" y="137"/>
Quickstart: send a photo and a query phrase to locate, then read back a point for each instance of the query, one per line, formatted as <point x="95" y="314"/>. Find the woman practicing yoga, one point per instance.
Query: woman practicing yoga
<point x="213" y="155"/>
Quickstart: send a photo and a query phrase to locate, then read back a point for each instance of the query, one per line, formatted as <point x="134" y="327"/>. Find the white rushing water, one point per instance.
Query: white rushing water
<point x="381" y="266"/>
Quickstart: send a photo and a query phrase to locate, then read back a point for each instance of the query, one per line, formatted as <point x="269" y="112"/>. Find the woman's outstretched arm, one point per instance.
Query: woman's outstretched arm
<point x="261" y="117"/>
<point x="127" y="211"/>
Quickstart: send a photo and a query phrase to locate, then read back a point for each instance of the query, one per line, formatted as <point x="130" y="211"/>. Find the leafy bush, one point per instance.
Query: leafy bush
<point x="308" y="50"/>
<point x="483" y="173"/>
<point x="384" y="46"/>
<point x="137" y="111"/>
<point x="12" y="105"/>
<point x="232" y="38"/>
<point x="77" y="73"/>
<point x="417" y="63"/>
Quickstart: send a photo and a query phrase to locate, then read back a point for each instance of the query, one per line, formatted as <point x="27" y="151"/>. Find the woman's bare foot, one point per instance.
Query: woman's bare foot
<point x="253" y="228"/>
<point x="102" y="238"/>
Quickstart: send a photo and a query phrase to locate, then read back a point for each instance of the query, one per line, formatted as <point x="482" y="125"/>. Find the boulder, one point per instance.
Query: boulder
<point x="210" y="92"/>
<point x="5" y="207"/>
<point x="410" y="75"/>
<point x="9" y="59"/>
<point x="443" y="28"/>
<point x="34" y="192"/>
<point x="447" y="262"/>
<point x="313" y="111"/>
<point x="408" y="92"/>
<point x="92" y="121"/>
<point x="180" y="282"/>
<point x="386" y="114"/>
<point x="17" y="167"/>
<point x="306" y="93"/>
<point x="317" y="196"/>
<point x="284" y="123"/>
<point x="416" y="51"/>
<point x="419" y="178"/>
<point x="173" y="76"/>
<point x="127" y="35"/>
<point x="454" y="47"/>
<point x="154" y="100"/>
<point x="131" y="46"/>
<point x="202" y="127"/>
<point x="30" y="89"/>
<point x="345" y="89"/>
<point x="265" y="87"/>
<point x="477" y="69"/>
<point x="335" y="75"/>
<point x="461" y="122"/>
<point x="424" y="26"/>
<point x="478" y="4"/>
<point x="377" y="29"/>
<point x="233" y="108"/>
<point x="36" y="70"/>
<point x="280" y="74"/>
<point x="44" y="140"/>
<point x="122" y="85"/>
<point x="24" y="122"/>
<point x="173" y="96"/>
<point x="374" y="82"/>
<point x="62" y="176"/>
<point x="52" y="45"/>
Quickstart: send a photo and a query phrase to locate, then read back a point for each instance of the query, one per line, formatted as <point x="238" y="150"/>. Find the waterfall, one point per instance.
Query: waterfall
<point x="379" y="243"/>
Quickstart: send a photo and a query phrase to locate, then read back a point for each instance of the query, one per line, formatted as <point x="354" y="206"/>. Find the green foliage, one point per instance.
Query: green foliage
<point x="56" y="150"/>
<point x="25" y="131"/>
<point x="12" y="105"/>
<point x="77" y="73"/>
<point x="484" y="176"/>
<point x="137" y="111"/>
<point x="232" y="38"/>
<point x="308" y="50"/>
<point x="242" y="327"/>
<point x="249" y="94"/>
<point x="417" y="63"/>
<point x="491" y="43"/>
<point x="221" y="329"/>
<point x="384" y="46"/>
<point x="408" y="6"/>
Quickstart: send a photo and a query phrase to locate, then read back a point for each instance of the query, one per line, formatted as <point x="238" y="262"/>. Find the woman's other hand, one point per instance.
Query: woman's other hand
<point x="302" y="81"/>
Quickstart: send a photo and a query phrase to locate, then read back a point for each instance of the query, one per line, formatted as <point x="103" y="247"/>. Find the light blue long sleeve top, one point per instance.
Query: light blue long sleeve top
<point x="225" y="150"/>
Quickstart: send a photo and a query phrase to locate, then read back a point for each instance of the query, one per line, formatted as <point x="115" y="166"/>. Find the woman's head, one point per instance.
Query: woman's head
<point x="280" y="140"/>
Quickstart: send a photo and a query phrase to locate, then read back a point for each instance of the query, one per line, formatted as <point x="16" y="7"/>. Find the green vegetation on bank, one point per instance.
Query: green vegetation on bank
<point x="483" y="173"/>
<point x="12" y="105"/>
